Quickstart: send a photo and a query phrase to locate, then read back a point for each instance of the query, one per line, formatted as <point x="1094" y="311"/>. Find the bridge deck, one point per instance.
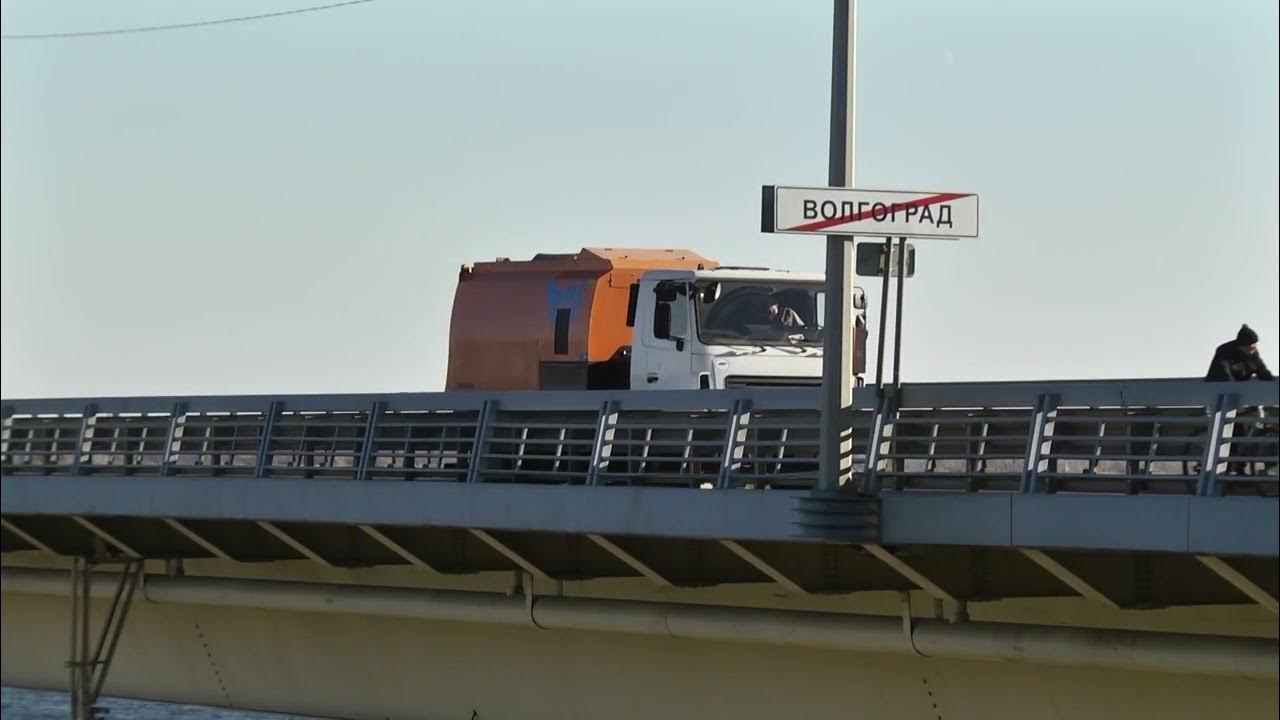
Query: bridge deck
<point x="1131" y="492"/>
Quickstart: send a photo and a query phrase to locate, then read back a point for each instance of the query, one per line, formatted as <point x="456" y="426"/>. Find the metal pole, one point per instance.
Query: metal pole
<point x="897" y="315"/>
<point x="73" y="663"/>
<point x="835" y="462"/>
<point x="129" y="583"/>
<point x="80" y="667"/>
<point x="884" y="315"/>
<point x="85" y="667"/>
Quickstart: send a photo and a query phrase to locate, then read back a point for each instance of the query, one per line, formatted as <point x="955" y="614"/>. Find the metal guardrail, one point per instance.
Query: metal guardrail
<point x="1122" y="436"/>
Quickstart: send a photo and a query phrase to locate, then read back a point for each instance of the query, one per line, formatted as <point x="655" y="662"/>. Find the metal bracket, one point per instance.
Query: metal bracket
<point x="84" y="437"/>
<point x="171" y="440"/>
<point x="268" y="427"/>
<point x="735" y="437"/>
<point x="602" y="444"/>
<point x="1037" y="447"/>
<point x="526" y="586"/>
<point x="1221" y="424"/>
<point x="475" y="471"/>
<point x="370" y="434"/>
<point x="908" y="624"/>
<point x="875" y="448"/>
<point x="89" y="672"/>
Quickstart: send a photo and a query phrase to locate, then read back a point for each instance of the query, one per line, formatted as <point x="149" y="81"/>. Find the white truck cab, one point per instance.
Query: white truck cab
<point x="733" y="327"/>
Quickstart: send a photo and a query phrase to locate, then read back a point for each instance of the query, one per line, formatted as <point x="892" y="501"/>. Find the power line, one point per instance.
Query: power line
<point x="202" y="23"/>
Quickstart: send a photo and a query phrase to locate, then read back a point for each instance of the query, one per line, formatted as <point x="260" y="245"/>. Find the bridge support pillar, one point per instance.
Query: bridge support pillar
<point x="89" y="671"/>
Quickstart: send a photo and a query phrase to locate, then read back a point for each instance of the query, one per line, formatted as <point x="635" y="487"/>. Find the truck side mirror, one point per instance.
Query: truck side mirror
<point x="662" y="321"/>
<point x="665" y="291"/>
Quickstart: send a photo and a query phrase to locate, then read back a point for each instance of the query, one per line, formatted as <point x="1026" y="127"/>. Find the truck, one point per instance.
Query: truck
<point x="643" y="319"/>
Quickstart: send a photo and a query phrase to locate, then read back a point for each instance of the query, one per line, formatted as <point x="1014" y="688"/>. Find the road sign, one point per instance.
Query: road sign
<point x="884" y="213"/>
<point x="871" y="260"/>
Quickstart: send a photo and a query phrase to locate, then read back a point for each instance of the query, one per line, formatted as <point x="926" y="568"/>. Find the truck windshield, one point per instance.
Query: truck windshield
<point x="759" y="313"/>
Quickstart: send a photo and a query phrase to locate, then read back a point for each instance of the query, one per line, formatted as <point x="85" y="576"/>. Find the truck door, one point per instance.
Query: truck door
<point x="667" y="362"/>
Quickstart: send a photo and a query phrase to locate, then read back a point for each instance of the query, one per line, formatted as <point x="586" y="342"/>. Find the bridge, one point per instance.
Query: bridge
<point x="1090" y="534"/>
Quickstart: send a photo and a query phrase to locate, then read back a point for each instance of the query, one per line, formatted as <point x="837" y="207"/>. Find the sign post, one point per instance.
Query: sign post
<point x="830" y="211"/>
<point x="884" y="312"/>
<point x="897" y="314"/>
<point x="835" y="442"/>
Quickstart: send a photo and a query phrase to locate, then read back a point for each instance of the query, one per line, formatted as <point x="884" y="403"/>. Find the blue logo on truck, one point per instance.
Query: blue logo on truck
<point x="568" y="297"/>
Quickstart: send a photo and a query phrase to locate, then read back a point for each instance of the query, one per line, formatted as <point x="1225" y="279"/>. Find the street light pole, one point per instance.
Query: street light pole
<point x="835" y="458"/>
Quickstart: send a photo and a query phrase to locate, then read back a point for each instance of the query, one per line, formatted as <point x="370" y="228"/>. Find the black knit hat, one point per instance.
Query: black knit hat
<point x="1246" y="336"/>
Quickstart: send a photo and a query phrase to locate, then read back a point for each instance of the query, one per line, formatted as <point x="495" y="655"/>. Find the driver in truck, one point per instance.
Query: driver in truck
<point x="783" y="315"/>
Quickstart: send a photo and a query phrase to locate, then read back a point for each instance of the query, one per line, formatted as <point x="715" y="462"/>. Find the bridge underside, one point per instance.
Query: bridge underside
<point x="305" y="662"/>
<point x="1127" y="551"/>
<point x="1125" y="579"/>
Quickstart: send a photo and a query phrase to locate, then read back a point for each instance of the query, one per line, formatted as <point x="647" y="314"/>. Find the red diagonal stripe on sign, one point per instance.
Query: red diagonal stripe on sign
<point x="844" y="219"/>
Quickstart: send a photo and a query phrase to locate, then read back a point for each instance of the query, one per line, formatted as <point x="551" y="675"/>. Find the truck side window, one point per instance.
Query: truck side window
<point x="671" y="319"/>
<point x="632" y="300"/>
<point x="562" y="331"/>
<point x="680" y="317"/>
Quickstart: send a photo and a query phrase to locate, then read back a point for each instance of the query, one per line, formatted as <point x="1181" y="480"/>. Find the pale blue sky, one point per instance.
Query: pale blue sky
<point x="282" y="206"/>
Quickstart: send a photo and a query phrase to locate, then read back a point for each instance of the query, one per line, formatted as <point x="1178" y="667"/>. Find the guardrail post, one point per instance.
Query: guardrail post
<point x="264" y="449"/>
<point x="370" y="434"/>
<point x="171" y="438"/>
<point x="86" y="427"/>
<point x="488" y="410"/>
<point x="881" y="431"/>
<point x="602" y="443"/>
<point x="1037" y="446"/>
<point x="731" y="460"/>
<point x="1221" y="425"/>
<point x="6" y="430"/>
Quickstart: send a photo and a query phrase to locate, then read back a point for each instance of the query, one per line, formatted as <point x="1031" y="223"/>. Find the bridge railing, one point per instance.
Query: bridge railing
<point x="1120" y="436"/>
<point x="1179" y="436"/>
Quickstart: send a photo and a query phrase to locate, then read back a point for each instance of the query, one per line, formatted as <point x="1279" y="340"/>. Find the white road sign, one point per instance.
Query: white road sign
<point x="883" y="213"/>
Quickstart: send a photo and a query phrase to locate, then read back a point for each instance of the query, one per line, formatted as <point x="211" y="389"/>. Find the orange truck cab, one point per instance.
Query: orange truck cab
<point x="615" y="318"/>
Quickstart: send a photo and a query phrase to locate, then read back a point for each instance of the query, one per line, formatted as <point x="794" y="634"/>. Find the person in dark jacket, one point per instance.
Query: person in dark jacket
<point x="1238" y="359"/>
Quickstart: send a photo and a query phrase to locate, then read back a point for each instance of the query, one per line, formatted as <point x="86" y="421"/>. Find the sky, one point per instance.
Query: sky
<point x="282" y="206"/>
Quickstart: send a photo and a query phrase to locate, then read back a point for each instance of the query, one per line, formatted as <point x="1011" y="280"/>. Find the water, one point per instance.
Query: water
<point x="16" y="704"/>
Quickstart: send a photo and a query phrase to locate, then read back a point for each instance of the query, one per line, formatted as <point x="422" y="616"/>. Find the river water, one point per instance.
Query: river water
<point x="18" y="704"/>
